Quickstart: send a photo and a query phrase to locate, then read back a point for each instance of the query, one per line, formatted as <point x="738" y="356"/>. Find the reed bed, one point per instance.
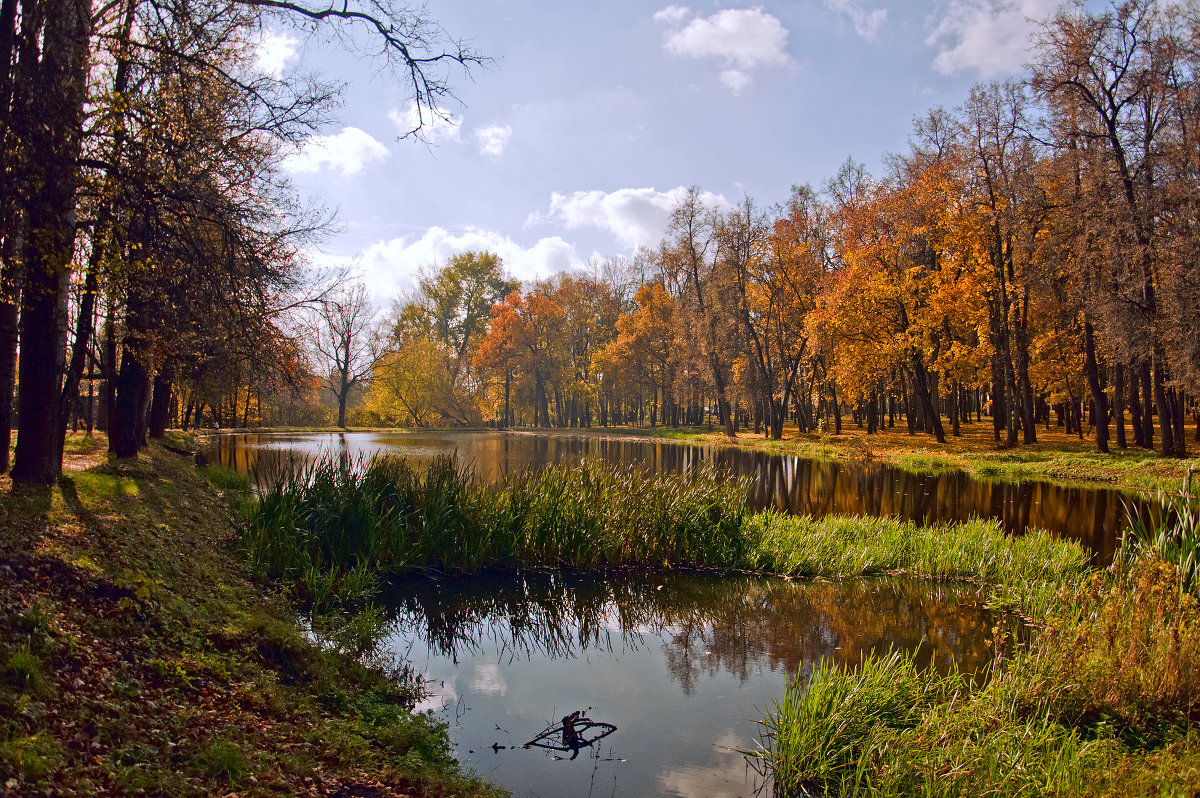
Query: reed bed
<point x="320" y="525"/>
<point x="886" y="728"/>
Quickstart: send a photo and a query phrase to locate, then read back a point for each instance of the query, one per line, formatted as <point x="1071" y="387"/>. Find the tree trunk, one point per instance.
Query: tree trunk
<point x="1119" y="404"/>
<point x="133" y="383"/>
<point x="54" y="103"/>
<point x="160" y="405"/>
<point x="1099" y="397"/>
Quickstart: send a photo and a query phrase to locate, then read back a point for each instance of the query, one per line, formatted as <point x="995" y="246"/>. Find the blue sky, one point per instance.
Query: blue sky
<point x="595" y="116"/>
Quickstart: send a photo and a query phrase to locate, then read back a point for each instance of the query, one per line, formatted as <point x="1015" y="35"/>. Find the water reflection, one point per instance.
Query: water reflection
<point x="708" y="624"/>
<point x="1093" y="516"/>
<point x="680" y="663"/>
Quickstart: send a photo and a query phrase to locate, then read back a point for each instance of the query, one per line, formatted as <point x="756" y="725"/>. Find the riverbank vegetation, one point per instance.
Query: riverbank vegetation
<point x="1102" y="702"/>
<point x="337" y="523"/>
<point x="1099" y="700"/>
<point x="137" y="656"/>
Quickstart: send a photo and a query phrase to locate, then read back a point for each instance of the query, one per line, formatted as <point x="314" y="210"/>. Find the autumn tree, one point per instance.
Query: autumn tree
<point x="346" y="342"/>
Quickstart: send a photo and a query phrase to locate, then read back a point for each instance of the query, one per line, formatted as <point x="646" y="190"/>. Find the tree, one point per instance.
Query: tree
<point x="447" y="319"/>
<point x="346" y="342"/>
<point x="44" y="82"/>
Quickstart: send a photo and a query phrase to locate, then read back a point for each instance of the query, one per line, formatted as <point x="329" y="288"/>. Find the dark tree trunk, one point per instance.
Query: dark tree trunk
<point x="128" y="417"/>
<point x="9" y="315"/>
<point x="921" y="377"/>
<point x="1099" y="397"/>
<point x="1119" y="404"/>
<point x="160" y="405"/>
<point x="54" y="103"/>
<point x="1147" y="406"/>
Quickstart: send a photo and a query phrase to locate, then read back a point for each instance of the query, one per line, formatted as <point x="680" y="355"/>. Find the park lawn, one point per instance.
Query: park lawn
<point x="137" y="656"/>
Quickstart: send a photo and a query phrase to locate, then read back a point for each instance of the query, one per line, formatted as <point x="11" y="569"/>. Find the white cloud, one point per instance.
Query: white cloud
<point x="389" y="267"/>
<point x="272" y="51"/>
<point x="636" y="217"/>
<point x="672" y="15"/>
<point x="741" y="37"/>
<point x="493" y="139"/>
<point x="987" y="37"/>
<point x="735" y="79"/>
<point x="434" y="126"/>
<point x="866" y="23"/>
<point x="347" y="151"/>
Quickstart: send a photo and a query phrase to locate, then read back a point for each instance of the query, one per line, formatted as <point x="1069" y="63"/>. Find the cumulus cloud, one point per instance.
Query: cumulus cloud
<point x="435" y="126"/>
<point x="636" y="217"/>
<point x="735" y="79"/>
<point x="866" y="23"/>
<point x="987" y="37"/>
<point x="389" y="267"/>
<point x="272" y="51"/>
<point x="741" y="38"/>
<point x="347" y="151"/>
<point x="493" y="139"/>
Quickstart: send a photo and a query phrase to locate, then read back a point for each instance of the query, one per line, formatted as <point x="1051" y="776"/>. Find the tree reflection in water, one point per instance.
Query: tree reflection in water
<point x="707" y="623"/>
<point x="1093" y="516"/>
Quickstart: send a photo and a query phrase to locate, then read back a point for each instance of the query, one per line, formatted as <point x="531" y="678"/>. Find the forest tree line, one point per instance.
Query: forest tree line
<point x="149" y="240"/>
<point x="1032" y="258"/>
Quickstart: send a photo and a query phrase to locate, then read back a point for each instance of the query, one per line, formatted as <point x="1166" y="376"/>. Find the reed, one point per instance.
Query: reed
<point x="887" y="728"/>
<point x="317" y="523"/>
<point x="1170" y="531"/>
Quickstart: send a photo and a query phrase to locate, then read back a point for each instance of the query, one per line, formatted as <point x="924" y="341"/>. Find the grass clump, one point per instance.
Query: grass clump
<point x="1104" y="701"/>
<point x="331" y="526"/>
<point x="224" y="759"/>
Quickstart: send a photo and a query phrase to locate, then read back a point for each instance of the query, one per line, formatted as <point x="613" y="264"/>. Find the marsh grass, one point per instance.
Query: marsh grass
<point x="1026" y="571"/>
<point x="328" y="526"/>
<point x="1105" y="699"/>
<point x="1170" y="531"/>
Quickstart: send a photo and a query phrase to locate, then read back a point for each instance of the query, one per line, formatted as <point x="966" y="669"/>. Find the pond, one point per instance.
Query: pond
<point x="681" y="664"/>
<point x="1093" y="516"/>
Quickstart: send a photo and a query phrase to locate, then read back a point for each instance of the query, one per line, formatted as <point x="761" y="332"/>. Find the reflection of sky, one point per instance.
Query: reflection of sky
<point x="686" y="695"/>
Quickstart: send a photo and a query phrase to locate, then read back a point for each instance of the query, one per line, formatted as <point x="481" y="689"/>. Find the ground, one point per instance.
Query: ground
<point x="138" y="655"/>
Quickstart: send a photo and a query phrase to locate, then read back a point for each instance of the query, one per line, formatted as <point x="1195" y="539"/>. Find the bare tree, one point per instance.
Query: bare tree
<point x="345" y="338"/>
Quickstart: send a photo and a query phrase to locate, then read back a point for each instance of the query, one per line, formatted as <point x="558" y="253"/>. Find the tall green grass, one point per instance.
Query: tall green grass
<point x="319" y="524"/>
<point x="1104" y="701"/>
<point x="1170" y="532"/>
<point x="887" y="728"/>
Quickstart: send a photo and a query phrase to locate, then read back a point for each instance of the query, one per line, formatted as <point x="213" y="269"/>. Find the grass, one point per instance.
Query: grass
<point x="326" y="530"/>
<point x="319" y="527"/>
<point x="1056" y="457"/>
<point x="1104" y="701"/>
<point x="138" y="654"/>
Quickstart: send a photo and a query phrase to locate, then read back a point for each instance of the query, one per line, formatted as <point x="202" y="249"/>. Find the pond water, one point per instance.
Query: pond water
<point x="1093" y="516"/>
<point x="682" y="664"/>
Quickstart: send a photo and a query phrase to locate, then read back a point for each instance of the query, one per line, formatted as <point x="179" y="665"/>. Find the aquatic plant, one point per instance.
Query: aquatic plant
<point x="1170" y="531"/>
<point x="319" y="522"/>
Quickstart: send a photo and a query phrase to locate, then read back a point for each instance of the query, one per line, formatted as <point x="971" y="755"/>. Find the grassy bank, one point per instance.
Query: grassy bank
<point x="137" y="656"/>
<point x="1105" y="700"/>
<point x="1056" y="456"/>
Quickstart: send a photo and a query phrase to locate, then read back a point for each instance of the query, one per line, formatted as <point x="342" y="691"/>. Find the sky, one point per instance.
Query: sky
<point x="594" y="117"/>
